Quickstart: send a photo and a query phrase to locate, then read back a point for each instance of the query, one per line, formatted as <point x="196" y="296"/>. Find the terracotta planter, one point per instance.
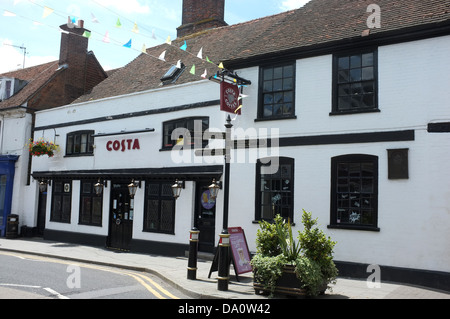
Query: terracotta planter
<point x="287" y="284"/>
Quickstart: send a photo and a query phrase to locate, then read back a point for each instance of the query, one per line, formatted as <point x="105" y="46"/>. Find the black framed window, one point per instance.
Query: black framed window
<point x="355" y="82"/>
<point x="80" y="143"/>
<point x="196" y="126"/>
<point x="91" y="204"/>
<point x="159" y="215"/>
<point x="61" y="201"/>
<point x="277" y="91"/>
<point x="274" y="188"/>
<point x="354" y="192"/>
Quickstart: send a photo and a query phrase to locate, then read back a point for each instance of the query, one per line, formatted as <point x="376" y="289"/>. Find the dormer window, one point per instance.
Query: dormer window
<point x="172" y="74"/>
<point x="9" y="87"/>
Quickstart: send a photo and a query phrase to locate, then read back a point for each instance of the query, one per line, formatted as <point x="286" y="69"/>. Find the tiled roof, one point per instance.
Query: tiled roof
<point x="320" y="22"/>
<point x="36" y="77"/>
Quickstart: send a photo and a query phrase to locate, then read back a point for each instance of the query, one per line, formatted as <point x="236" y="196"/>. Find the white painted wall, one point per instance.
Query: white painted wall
<point x="413" y="214"/>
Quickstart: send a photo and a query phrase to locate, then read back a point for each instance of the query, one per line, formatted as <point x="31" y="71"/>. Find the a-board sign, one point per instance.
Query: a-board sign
<point x="240" y="255"/>
<point x="239" y="250"/>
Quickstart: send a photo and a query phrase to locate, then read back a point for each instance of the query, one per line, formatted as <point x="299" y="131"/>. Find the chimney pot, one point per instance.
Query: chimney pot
<point x="81" y="23"/>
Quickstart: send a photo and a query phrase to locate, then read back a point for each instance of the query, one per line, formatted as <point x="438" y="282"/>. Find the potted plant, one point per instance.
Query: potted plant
<point x="41" y="147"/>
<point x="286" y="266"/>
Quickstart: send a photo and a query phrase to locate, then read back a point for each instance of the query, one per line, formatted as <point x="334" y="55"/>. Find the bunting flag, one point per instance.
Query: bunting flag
<point x="87" y="34"/>
<point x="200" y="54"/>
<point x="128" y="44"/>
<point x="168" y="41"/>
<point x="8" y="14"/>
<point x="221" y="66"/>
<point x="118" y="24"/>
<point x="192" y="70"/>
<point x="47" y="11"/>
<point x="179" y="64"/>
<point x="208" y="60"/>
<point x="144" y="49"/>
<point x="106" y="37"/>
<point x="153" y="34"/>
<point x="242" y="96"/>
<point x="204" y="74"/>
<point x="94" y="19"/>
<point x="64" y="31"/>
<point x="237" y="110"/>
<point x="162" y="57"/>
<point x="184" y="46"/>
<point x="135" y="28"/>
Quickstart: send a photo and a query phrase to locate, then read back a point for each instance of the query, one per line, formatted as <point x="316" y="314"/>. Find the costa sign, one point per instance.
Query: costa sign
<point x="123" y="145"/>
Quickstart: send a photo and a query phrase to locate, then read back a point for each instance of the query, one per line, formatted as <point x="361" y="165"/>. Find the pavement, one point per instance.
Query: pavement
<point x="174" y="271"/>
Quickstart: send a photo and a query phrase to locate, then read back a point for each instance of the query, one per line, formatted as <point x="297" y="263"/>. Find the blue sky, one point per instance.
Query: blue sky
<point x="22" y="23"/>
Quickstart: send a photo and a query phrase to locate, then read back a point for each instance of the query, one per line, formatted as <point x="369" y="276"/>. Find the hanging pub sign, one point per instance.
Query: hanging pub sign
<point x="229" y="98"/>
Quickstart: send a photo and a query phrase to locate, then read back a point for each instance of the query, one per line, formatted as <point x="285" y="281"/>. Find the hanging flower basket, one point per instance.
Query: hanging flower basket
<point x="41" y="147"/>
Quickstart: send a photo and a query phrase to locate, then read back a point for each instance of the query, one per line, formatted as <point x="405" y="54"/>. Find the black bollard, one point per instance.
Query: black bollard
<point x="193" y="249"/>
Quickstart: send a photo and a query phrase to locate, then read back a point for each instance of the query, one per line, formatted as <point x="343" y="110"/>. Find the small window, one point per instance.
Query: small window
<point x="277" y="91"/>
<point x="172" y="74"/>
<point x="354" y="192"/>
<point x="195" y="128"/>
<point x="61" y="201"/>
<point x="275" y="190"/>
<point x="355" y="82"/>
<point x="90" y="205"/>
<point x="80" y="143"/>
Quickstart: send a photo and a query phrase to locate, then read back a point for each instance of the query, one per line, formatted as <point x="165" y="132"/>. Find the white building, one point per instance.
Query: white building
<point x="357" y="119"/>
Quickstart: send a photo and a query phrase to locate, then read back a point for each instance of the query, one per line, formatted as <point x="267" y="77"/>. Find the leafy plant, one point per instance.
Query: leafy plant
<point x="316" y="246"/>
<point x="267" y="270"/>
<point x="312" y="255"/>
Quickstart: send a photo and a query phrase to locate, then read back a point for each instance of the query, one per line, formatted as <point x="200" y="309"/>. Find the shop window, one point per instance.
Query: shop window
<point x="355" y="82"/>
<point x="354" y="192"/>
<point x="90" y="205"/>
<point x="277" y="91"/>
<point x="80" y="143"/>
<point x="159" y="215"/>
<point x="61" y="201"/>
<point x="275" y="188"/>
<point x="190" y="131"/>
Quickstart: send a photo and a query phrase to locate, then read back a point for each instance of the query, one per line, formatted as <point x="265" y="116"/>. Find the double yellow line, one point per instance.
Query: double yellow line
<point x="155" y="289"/>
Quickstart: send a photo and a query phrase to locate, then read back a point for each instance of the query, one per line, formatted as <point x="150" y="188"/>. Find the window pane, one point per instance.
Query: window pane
<point x="97" y="210"/>
<point x="268" y="74"/>
<point x="367" y="59"/>
<point x="167" y="222"/>
<point x="277" y="85"/>
<point x="278" y="72"/>
<point x="355" y="75"/>
<point x="288" y="71"/>
<point x="85" y="216"/>
<point x="367" y="73"/>
<point x="355" y="61"/>
<point x="151" y="221"/>
<point x="343" y="63"/>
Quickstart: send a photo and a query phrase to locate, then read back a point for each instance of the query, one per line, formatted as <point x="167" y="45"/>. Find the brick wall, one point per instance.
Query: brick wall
<point x="199" y="15"/>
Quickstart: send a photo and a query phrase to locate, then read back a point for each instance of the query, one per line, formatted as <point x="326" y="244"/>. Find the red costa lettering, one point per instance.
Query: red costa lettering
<point x="123" y="145"/>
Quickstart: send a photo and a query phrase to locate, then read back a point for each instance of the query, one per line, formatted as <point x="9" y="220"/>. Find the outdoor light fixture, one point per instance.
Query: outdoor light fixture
<point x="43" y="185"/>
<point x="132" y="187"/>
<point x="99" y="187"/>
<point x="176" y="188"/>
<point x="214" y="188"/>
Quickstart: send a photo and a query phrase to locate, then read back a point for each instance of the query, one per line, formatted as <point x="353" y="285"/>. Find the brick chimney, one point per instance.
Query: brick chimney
<point x="200" y="15"/>
<point x="73" y="56"/>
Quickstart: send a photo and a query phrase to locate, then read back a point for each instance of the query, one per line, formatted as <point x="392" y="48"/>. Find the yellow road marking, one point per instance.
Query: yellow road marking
<point x="137" y="277"/>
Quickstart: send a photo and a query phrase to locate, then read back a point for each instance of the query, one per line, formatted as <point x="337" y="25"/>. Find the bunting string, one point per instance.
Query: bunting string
<point x="105" y="38"/>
